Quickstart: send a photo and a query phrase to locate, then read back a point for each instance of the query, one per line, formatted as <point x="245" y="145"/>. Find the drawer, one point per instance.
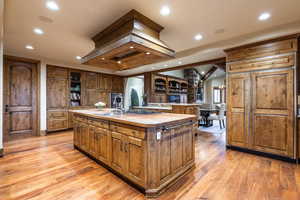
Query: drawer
<point x="80" y="118"/>
<point x="54" y="125"/>
<point x="128" y="130"/>
<point x="57" y="115"/>
<point x="98" y="123"/>
<point x="263" y="64"/>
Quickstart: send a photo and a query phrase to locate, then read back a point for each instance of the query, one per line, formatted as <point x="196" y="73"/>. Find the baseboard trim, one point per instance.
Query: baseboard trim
<point x="268" y="155"/>
<point x="1" y="153"/>
<point x="43" y="133"/>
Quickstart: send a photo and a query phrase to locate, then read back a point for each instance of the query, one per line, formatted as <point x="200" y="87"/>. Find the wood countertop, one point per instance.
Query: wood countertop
<point x="140" y="120"/>
<point x="154" y="107"/>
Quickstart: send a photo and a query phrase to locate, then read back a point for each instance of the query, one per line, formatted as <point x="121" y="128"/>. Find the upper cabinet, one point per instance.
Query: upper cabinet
<point x="91" y="80"/>
<point x="262" y="49"/>
<point x="57" y="87"/>
<point x="117" y="84"/>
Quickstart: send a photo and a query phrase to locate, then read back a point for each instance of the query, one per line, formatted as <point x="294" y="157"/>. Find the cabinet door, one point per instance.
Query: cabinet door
<point x="103" y="144"/>
<point x="273" y="108"/>
<point x="84" y="137"/>
<point x="117" y="84"/>
<point x="118" y="153"/>
<point x="134" y="149"/>
<point x="76" y="136"/>
<point x="92" y="97"/>
<point x="188" y="144"/>
<point x="238" y="109"/>
<point x="93" y="142"/>
<point x="91" y="80"/>
<point x="107" y="82"/>
<point x="57" y="93"/>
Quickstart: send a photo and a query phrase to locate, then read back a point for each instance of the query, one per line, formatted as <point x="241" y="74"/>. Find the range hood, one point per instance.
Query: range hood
<point x="130" y="42"/>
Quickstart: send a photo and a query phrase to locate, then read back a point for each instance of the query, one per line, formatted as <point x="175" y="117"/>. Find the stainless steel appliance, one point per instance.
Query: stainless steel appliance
<point x="116" y="100"/>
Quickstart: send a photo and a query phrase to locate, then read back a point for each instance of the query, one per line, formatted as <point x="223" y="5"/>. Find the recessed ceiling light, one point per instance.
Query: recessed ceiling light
<point x="131" y="47"/>
<point x="29" y="47"/>
<point x="179" y="62"/>
<point x="198" y="37"/>
<point x="102" y="58"/>
<point x="264" y="16"/>
<point x="52" y="5"/>
<point x="119" y="62"/>
<point x="38" y="31"/>
<point x="148" y="53"/>
<point x="165" y="10"/>
<point x="78" y="57"/>
<point x="202" y="72"/>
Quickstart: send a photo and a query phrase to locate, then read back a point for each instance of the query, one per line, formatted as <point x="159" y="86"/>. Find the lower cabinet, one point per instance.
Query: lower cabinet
<point x="57" y="120"/>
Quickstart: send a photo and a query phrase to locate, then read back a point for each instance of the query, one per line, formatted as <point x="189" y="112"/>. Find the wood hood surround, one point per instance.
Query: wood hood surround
<point x="130" y="42"/>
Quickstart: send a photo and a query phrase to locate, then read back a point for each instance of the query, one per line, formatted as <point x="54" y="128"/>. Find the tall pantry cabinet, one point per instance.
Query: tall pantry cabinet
<point x="261" y="97"/>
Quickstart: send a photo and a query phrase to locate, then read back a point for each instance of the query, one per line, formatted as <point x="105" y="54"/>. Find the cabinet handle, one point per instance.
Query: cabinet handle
<point x="121" y="146"/>
<point x="126" y="147"/>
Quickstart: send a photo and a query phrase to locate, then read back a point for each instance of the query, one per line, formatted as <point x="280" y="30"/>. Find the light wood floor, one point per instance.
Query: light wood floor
<point x="48" y="168"/>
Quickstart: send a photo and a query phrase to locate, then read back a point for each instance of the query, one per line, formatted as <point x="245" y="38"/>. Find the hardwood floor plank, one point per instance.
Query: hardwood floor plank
<point x="47" y="168"/>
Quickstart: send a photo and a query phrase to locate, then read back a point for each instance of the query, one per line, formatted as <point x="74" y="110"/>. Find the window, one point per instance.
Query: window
<point x="217" y="98"/>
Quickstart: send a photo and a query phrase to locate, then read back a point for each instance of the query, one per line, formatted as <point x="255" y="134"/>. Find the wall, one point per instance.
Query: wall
<point x="138" y="85"/>
<point x="176" y="73"/>
<point x="208" y="88"/>
<point x="43" y="96"/>
<point x="1" y="72"/>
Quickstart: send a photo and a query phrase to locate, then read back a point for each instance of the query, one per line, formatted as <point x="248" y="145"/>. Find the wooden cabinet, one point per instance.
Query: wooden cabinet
<point x="238" y="109"/>
<point x="73" y="89"/>
<point x="159" y="98"/>
<point x="273" y="111"/>
<point x="57" y="93"/>
<point x="135" y="163"/>
<point x="118" y="154"/>
<point x="57" y="120"/>
<point x="260" y="111"/>
<point x="117" y="84"/>
<point x="103" y="144"/>
<point x="137" y="153"/>
<point x="91" y="80"/>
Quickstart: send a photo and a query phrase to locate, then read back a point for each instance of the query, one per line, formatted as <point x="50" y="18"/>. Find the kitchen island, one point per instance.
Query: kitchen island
<point x="149" y="150"/>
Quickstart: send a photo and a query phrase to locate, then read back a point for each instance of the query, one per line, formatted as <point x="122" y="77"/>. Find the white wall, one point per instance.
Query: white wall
<point x="43" y="96"/>
<point x="208" y="88"/>
<point x="176" y="73"/>
<point x="138" y="85"/>
<point x="1" y="71"/>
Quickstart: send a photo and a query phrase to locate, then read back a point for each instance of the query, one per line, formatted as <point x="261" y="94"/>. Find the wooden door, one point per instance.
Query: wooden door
<point x="92" y="97"/>
<point x="103" y="144"/>
<point x="84" y="136"/>
<point x="135" y="154"/>
<point x="273" y="110"/>
<point x="118" y="153"/>
<point x="91" y="80"/>
<point x="238" y="110"/>
<point x="107" y="81"/>
<point x="57" y="93"/>
<point x="20" y="100"/>
<point x="93" y="141"/>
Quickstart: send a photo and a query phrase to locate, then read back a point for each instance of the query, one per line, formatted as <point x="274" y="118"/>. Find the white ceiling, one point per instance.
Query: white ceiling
<point x="69" y="33"/>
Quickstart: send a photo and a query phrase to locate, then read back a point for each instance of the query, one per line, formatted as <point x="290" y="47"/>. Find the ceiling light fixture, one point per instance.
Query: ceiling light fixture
<point x="264" y="16"/>
<point x="78" y="57"/>
<point x="119" y="62"/>
<point x="102" y="58"/>
<point x="198" y="37"/>
<point x="38" y="31"/>
<point x="202" y="72"/>
<point x="148" y="53"/>
<point x="52" y="5"/>
<point x="165" y="11"/>
<point x="29" y="47"/>
<point x="180" y="62"/>
<point x="131" y="47"/>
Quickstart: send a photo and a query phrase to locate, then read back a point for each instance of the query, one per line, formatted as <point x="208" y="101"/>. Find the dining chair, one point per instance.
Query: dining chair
<point x="220" y="117"/>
